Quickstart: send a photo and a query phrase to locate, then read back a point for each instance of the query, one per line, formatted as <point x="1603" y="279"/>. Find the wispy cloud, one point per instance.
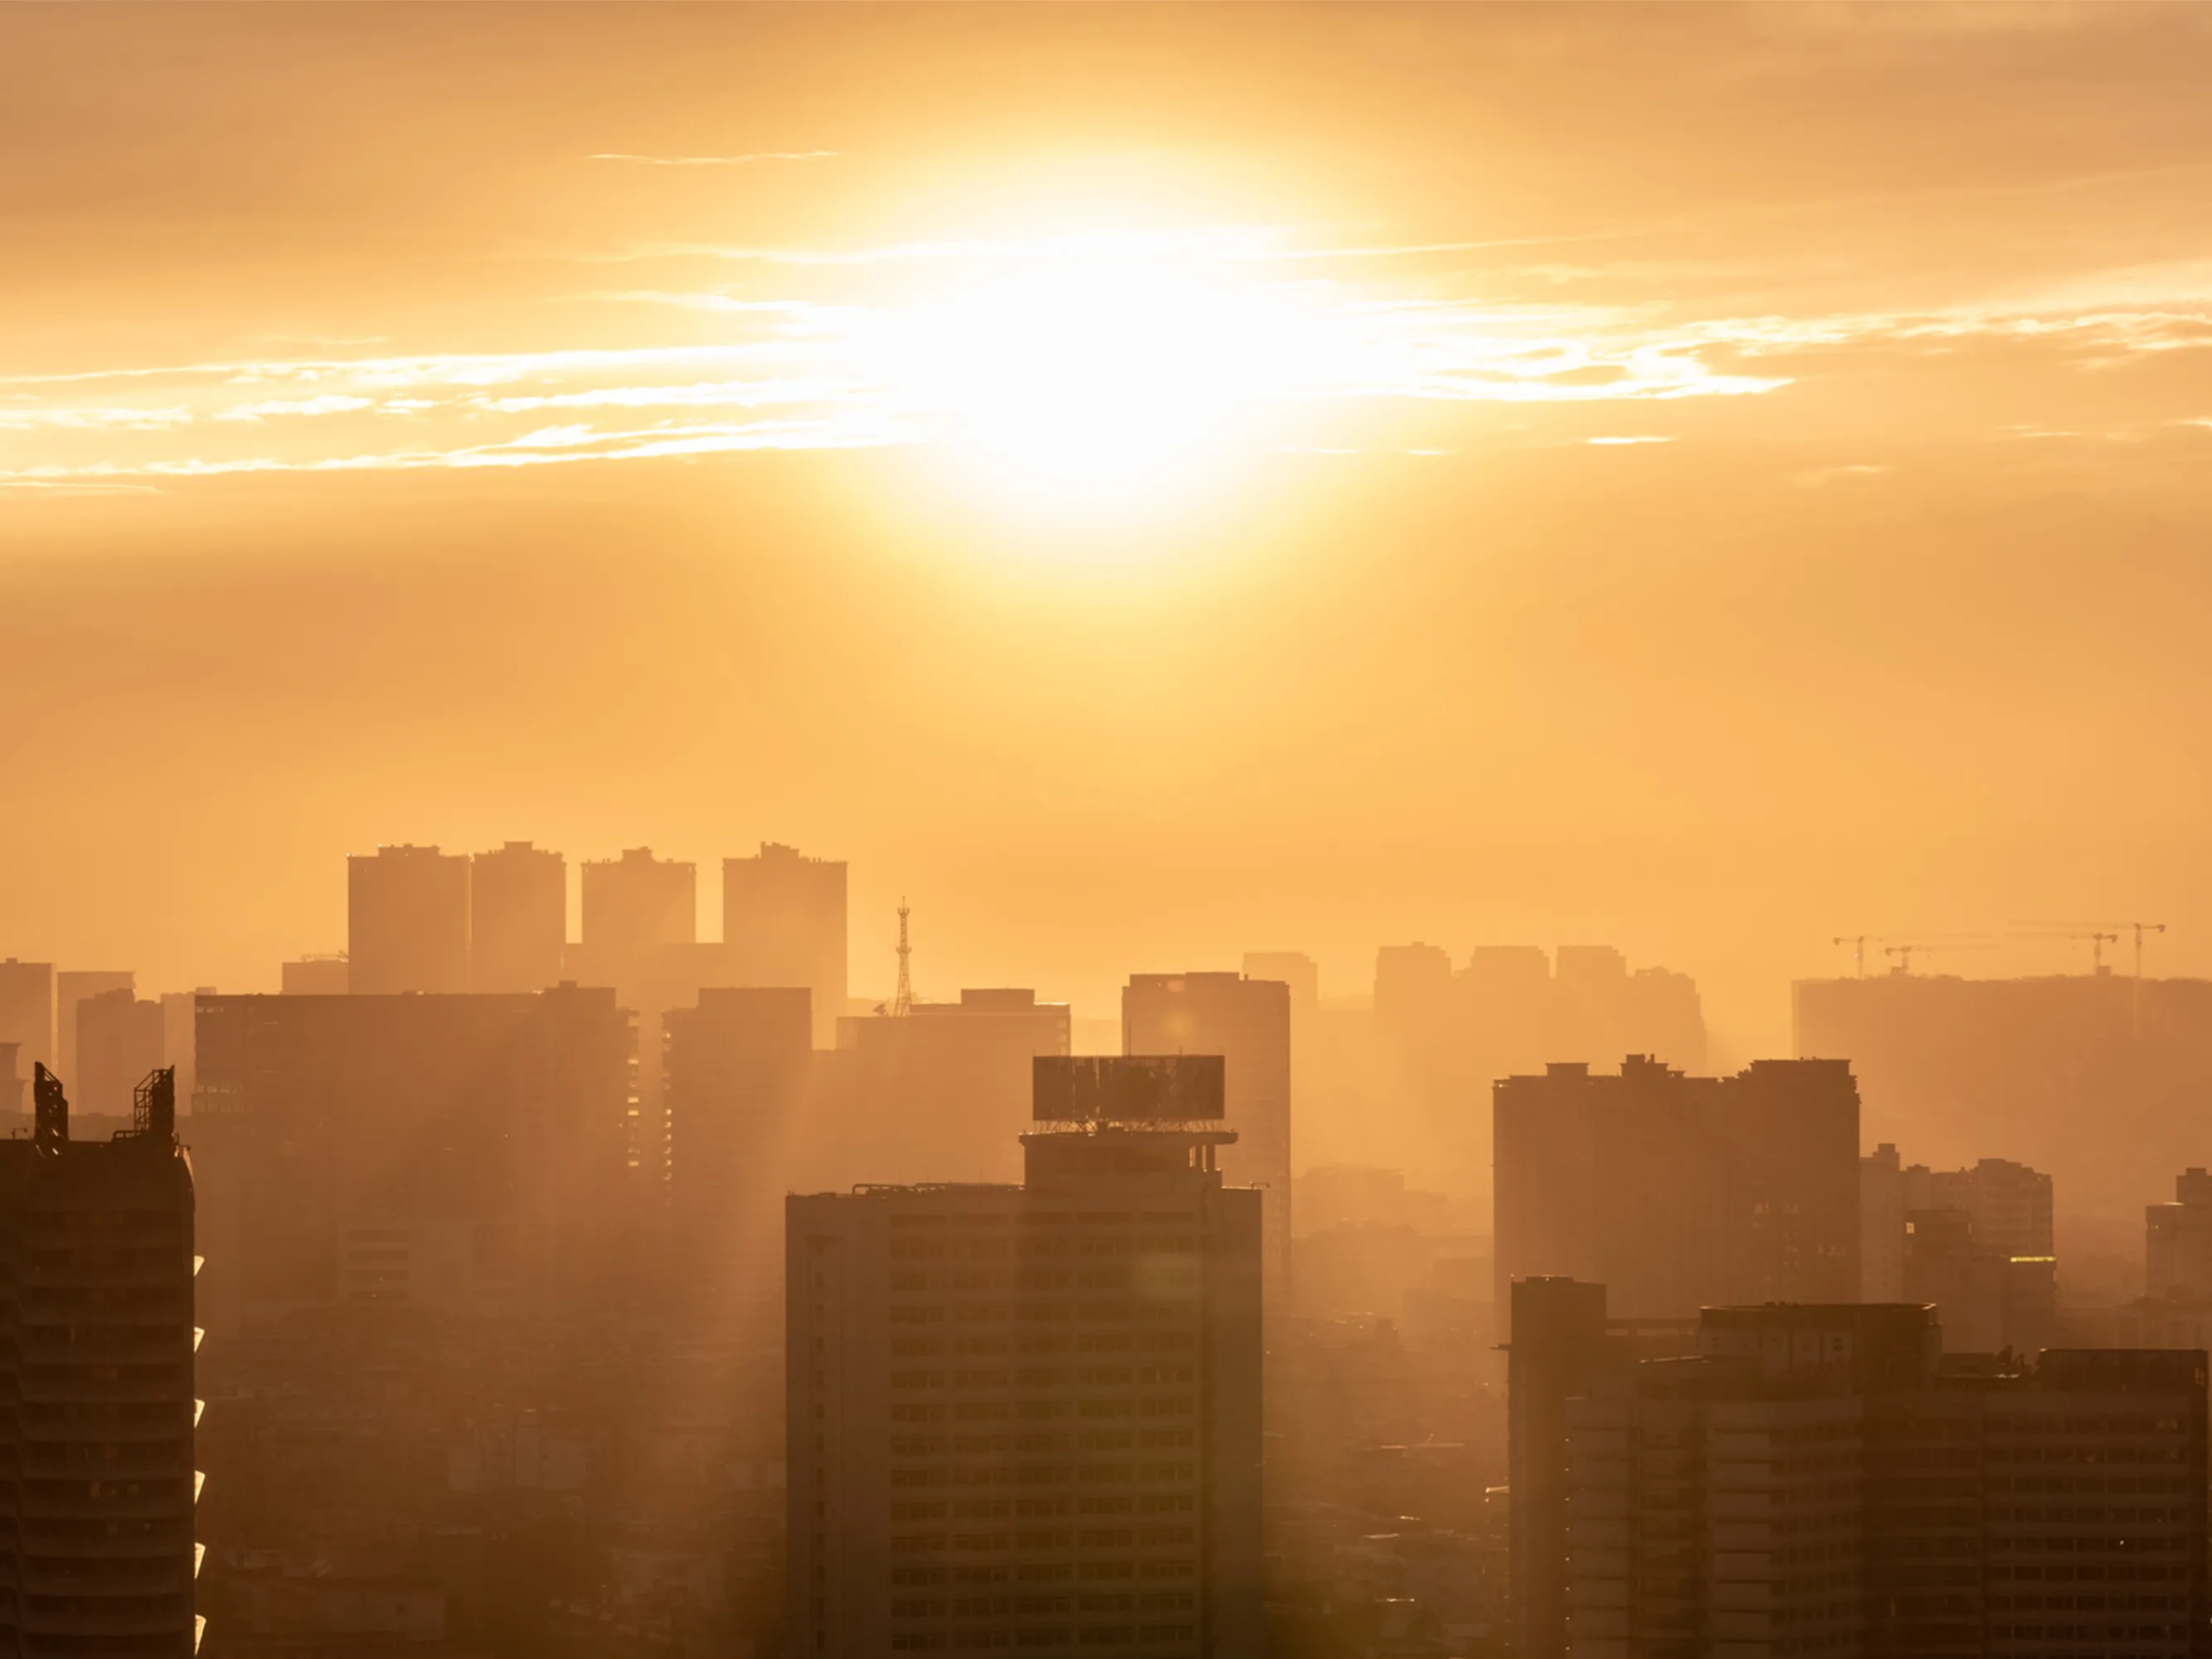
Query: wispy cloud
<point x="717" y="161"/>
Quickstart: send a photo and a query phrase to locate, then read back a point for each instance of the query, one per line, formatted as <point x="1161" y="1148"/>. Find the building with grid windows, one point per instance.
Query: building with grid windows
<point x="1023" y="1418"/>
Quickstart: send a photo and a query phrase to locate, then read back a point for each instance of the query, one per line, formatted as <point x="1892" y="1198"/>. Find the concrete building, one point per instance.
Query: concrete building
<point x="97" y="1486"/>
<point x="1822" y="1479"/>
<point x="738" y="1068"/>
<point x="407" y="922"/>
<point x="2178" y="1239"/>
<point x="1246" y="1022"/>
<point x="71" y="989"/>
<point x="503" y="1119"/>
<point x="317" y="976"/>
<point x="517" y="918"/>
<point x="120" y="1041"/>
<point x="1028" y="1417"/>
<point x="1977" y="1241"/>
<point x="637" y="902"/>
<point x="12" y="1080"/>
<point x="783" y="923"/>
<point x="942" y="1093"/>
<point x="1986" y="1298"/>
<point x="27" y="1011"/>
<point x="1680" y="1192"/>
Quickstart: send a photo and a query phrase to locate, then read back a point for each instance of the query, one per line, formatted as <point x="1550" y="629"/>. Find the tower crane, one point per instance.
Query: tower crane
<point x="2141" y="928"/>
<point x="1857" y="943"/>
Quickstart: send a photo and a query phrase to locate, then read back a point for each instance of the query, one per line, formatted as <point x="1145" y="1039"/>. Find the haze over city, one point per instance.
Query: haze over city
<point x="1496" y="706"/>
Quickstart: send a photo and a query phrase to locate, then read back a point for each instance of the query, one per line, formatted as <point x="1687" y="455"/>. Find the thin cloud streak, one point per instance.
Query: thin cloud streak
<point x="717" y="161"/>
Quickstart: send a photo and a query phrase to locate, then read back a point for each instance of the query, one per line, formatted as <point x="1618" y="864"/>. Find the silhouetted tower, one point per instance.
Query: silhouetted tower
<point x="407" y="921"/>
<point x="902" y="1000"/>
<point x="783" y="923"/>
<point x="638" y="902"/>
<point x="517" y="918"/>
<point x="27" y="1008"/>
<point x="97" y="1412"/>
<point x="119" y="1040"/>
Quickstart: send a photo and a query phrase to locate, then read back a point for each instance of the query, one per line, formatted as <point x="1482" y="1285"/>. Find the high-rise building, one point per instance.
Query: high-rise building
<point x="1557" y="1346"/>
<point x="97" y="1412"/>
<point x="783" y="923"/>
<point x="71" y="987"/>
<point x="407" y="921"/>
<point x="1976" y="1242"/>
<point x="1680" y="1192"/>
<point x="12" y="1080"/>
<point x="2178" y="1239"/>
<point x="637" y="901"/>
<point x="1822" y="1479"/>
<point x="1028" y="1417"/>
<point x="27" y="1011"/>
<point x="1246" y="1022"/>
<point x="489" y="1135"/>
<point x="1986" y="1298"/>
<point x="120" y="1041"/>
<point x="941" y="1093"/>
<point x="180" y="1016"/>
<point x="517" y="918"/>
<point x="737" y="1071"/>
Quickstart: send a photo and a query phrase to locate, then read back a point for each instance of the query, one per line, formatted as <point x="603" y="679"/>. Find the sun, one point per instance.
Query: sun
<point x="1098" y="372"/>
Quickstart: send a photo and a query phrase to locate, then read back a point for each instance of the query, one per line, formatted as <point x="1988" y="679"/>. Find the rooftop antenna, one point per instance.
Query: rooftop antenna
<point x="902" y="1001"/>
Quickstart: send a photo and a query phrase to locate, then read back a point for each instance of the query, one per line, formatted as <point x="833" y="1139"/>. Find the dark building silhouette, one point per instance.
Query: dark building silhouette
<point x="941" y="1093"/>
<point x="1246" y="1022"/>
<point x="1986" y="1298"/>
<point x="120" y="1041"/>
<point x="738" y="1068"/>
<point x="1822" y="1479"/>
<point x="517" y="918"/>
<point x="407" y="922"/>
<point x="71" y="989"/>
<point x="1028" y="1417"/>
<point x="317" y="976"/>
<point x="27" y="1010"/>
<point x="2178" y="1239"/>
<point x="468" y="1153"/>
<point x="96" y="1414"/>
<point x="2101" y="1076"/>
<point x="1681" y="1192"/>
<point x="12" y="1080"/>
<point x="1559" y="1346"/>
<point x="783" y="923"/>
<point x="637" y="902"/>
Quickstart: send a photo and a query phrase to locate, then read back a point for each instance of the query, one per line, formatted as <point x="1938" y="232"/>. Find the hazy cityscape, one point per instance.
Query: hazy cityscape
<point x="1355" y="831"/>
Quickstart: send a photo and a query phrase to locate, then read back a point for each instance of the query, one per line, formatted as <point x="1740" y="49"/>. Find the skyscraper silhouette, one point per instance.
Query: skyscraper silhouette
<point x="517" y="918"/>
<point x="27" y="1010"/>
<point x="407" y="921"/>
<point x="783" y="923"/>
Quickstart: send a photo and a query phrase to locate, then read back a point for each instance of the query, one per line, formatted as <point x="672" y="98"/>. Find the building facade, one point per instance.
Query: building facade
<point x="1680" y="1192"/>
<point x="1028" y="1417"/>
<point x="517" y="918"/>
<point x="407" y="922"/>
<point x="96" y="1414"/>
<point x="27" y="1011"/>
<point x="783" y="923"/>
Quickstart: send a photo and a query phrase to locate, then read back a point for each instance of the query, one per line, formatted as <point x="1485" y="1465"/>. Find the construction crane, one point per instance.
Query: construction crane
<point x="2141" y="928"/>
<point x="2096" y="938"/>
<point x="1902" y="951"/>
<point x="1857" y="943"/>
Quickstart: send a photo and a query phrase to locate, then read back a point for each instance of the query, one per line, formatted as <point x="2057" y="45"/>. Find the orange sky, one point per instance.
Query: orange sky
<point x="1146" y="484"/>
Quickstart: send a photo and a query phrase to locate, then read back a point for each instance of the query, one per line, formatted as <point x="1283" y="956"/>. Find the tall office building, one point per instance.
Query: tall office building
<point x="941" y="1094"/>
<point x="517" y="918"/>
<point x="120" y="1041"/>
<point x="27" y="1011"/>
<point x="72" y="987"/>
<point x="97" y="1412"/>
<point x="737" y="1071"/>
<point x="637" y="901"/>
<point x="783" y="923"/>
<point x="407" y="921"/>
<point x="465" y="1153"/>
<point x="1246" y="1022"/>
<point x="2178" y="1239"/>
<point x="1028" y="1417"/>
<point x="1822" y="1479"/>
<point x="1680" y="1192"/>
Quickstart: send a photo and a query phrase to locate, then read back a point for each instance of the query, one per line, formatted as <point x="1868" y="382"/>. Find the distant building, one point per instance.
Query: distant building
<point x="1295" y="969"/>
<point x="179" y="1015"/>
<point x="738" y="1067"/>
<point x="2009" y="1204"/>
<point x="1246" y="1022"/>
<point x="941" y="1093"/>
<point x="517" y="918"/>
<point x="12" y="1080"/>
<point x="2178" y="1239"/>
<point x="637" y="902"/>
<point x="1988" y="1298"/>
<point x="492" y="1129"/>
<point x="2101" y="1075"/>
<point x="1820" y="1479"/>
<point x="97" y="1484"/>
<point x="783" y="923"/>
<point x="71" y="989"/>
<point x="1682" y="1192"/>
<point x="317" y="976"/>
<point x="407" y="922"/>
<point x="120" y="1041"/>
<point x="27" y="1011"/>
<point x="1028" y="1417"/>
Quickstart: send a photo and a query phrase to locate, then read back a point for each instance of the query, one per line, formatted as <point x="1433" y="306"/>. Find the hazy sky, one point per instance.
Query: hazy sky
<point x="1145" y="483"/>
